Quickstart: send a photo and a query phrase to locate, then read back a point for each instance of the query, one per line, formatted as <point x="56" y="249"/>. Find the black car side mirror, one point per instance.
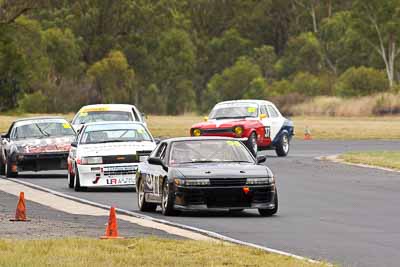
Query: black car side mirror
<point x="74" y="144"/>
<point x="157" y="161"/>
<point x="4" y="136"/>
<point x="261" y="159"/>
<point x="157" y="140"/>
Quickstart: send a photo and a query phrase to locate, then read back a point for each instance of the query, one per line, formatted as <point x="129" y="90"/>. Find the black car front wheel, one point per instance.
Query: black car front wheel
<point x="270" y="212"/>
<point x="2" y="167"/>
<point x="8" y="171"/>
<point x="167" y="201"/>
<point x="143" y="205"/>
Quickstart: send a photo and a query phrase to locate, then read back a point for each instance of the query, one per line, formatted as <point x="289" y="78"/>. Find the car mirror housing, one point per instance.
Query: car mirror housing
<point x="4" y="135"/>
<point x="157" y="161"/>
<point x="261" y="159"/>
<point x="74" y="144"/>
<point x="157" y="140"/>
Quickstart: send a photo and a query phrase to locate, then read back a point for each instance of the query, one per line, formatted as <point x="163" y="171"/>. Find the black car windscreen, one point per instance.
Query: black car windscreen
<point x="197" y="151"/>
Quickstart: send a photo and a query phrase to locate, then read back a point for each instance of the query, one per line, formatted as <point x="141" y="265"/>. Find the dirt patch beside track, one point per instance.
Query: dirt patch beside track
<point x="50" y="223"/>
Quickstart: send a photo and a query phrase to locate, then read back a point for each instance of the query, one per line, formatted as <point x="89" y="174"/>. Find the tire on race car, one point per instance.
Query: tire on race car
<point x="8" y="172"/>
<point x="251" y="143"/>
<point x="2" y="167"/>
<point x="283" y="146"/>
<point x="167" y="200"/>
<point x="77" y="183"/>
<point x="71" y="180"/>
<point x="143" y="205"/>
<point x="270" y="212"/>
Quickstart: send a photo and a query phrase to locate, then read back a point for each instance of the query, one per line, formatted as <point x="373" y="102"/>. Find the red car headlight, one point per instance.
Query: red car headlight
<point x="196" y="132"/>
<point x="238" y="130"/>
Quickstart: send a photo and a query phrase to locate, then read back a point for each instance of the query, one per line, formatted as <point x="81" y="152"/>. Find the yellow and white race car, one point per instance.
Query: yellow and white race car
<point x="107" y="112"/>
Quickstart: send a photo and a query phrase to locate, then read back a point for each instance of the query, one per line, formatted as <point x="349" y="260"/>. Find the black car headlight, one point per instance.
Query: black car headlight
<point x="258" y="181"/>
<point x="191" y="182"/>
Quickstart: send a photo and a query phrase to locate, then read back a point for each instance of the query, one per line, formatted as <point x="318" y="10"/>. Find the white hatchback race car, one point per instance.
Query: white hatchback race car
<point x="107" y="154"/>
<point x="106" y="112"/>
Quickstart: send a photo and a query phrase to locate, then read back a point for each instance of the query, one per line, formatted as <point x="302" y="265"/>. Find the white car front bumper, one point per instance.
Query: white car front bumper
<point x="107" y="175"/>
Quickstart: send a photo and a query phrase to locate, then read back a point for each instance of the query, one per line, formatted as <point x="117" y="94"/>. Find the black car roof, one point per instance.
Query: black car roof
<point x="40" y="118"/>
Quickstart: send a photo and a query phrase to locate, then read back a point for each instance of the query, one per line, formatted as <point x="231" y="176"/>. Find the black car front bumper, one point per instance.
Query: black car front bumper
<point x="233" y="197"/>
<point x="42" y="161"/>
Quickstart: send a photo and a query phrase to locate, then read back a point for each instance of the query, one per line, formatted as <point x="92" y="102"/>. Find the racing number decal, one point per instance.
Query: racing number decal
<point x="153" y="183"/>
<point x="267" y="132"/>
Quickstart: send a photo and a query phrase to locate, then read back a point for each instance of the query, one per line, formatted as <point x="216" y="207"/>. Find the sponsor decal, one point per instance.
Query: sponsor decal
<point x="96" y="109"/>
<point x="119" y="181"/>
<point x="120" y="168"/>
<point x="66" y="126"/>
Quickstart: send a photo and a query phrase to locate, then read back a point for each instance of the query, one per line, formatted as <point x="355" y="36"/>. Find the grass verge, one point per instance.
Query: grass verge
<point x="345" y="128"/>
<point x="349" y="128"/>
<point x="386" y="159"/>
<point x="136" y="252"/>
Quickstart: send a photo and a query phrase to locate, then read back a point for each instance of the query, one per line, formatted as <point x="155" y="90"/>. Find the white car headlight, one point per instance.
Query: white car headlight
<point x="91" y="160"/>
<point x="258" y="181"/>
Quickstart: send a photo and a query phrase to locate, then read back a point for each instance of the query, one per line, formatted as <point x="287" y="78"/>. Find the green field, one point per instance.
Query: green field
<point x="386" y="159"/>
<point x="339" y="128"/>
<point x="136" y="252"/>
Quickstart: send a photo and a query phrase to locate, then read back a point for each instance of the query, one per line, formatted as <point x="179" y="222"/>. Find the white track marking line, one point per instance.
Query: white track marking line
<point x="144" y="220"/>
<point x="336" y="159"/>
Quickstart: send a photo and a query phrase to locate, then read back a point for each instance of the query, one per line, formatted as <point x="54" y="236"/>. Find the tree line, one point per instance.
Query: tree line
<point x="176" y="56"/>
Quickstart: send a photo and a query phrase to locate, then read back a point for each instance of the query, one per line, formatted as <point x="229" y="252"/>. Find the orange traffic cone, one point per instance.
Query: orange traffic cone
<point x="112" y="227"/>
<point x="307" y="134"/>
<point x="20" y="214"/>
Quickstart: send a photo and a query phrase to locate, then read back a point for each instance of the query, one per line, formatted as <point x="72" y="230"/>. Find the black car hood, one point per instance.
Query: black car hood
<point x="223" y="170"/>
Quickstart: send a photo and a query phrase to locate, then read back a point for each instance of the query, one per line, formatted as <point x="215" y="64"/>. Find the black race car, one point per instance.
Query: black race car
<point x="35" y="144"/>
<point x="198" y="173"/>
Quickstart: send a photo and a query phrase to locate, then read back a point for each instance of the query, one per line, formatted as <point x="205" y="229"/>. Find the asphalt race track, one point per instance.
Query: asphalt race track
<point x="343" y="214"/>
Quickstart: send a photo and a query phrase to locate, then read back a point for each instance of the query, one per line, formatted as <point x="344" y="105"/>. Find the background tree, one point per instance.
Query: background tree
<point x="377" y="22"/>
<point x="112" y="78"/>
<point x="186" y="55"/>
<point x="243" y="80"/>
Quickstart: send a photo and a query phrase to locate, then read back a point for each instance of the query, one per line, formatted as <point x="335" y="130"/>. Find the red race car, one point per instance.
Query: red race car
<point x="259" y="123"/>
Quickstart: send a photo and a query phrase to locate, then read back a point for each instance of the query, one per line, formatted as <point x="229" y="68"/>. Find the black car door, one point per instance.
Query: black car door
<point x="156" y="173"/>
